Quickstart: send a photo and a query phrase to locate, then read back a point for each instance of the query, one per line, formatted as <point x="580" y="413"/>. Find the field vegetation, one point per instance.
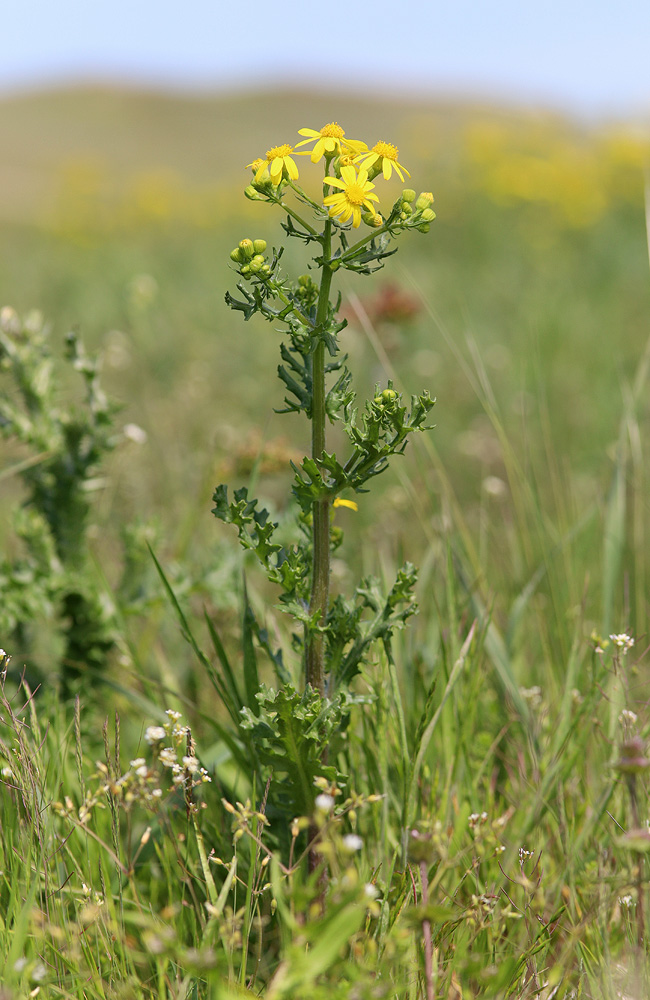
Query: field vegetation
<point x="485" y="832"/>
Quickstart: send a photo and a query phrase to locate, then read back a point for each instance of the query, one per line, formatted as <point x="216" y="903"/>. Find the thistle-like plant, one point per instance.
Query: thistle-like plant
<point x="336" y="634"/>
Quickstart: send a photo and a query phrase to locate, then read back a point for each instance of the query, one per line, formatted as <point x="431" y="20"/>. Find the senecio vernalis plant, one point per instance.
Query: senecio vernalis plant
<point x="336" y="634"/>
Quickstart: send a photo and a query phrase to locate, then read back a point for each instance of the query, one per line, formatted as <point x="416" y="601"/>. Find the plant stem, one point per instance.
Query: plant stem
<point x="318" y="603"/>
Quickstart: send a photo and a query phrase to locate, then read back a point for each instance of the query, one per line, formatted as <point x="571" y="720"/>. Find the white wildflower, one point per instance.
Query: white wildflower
<point x="324" y="802"/>
<point x="132" y="432"/>
<point x="623" y="641"/>
<point x="627" y="718"/>
<point x="353" y="842"/>
<point x="154" y="734"/>
<point x="191" y="764"/>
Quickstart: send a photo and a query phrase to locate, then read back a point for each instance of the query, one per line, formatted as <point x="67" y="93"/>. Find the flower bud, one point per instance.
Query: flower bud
<point x="236" y="255"/>
<point x="246" y="247"/>
<point x="406" y="208"/>
<point x="408" y="195"/>
<point x="388" y="395"/>
<point x="245" y="270"/>
<point x="304" y="281"/>
<point x="425" y="200"/>
<point x="252" y="194"/>
<point x="255" y="265"/>
<point x="424" y="228"/>
<point x="259" y="246"/>
<point x="9" y="320"/>
<point x="428" y="215"/>
<point x="265" y="269"/>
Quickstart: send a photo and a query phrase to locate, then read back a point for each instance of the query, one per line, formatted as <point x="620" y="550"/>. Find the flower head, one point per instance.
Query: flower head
<point x="330" y="141"/>
<point x="384" y="156"/>
<point x="278" y="161"/>
<point x="355" y="194"/>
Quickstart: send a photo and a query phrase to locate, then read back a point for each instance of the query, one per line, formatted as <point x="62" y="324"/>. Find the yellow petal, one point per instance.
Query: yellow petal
<point x="340" y="502"/>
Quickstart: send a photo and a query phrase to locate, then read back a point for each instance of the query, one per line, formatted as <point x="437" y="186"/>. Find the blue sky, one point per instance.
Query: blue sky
<point x="590" y="57"/>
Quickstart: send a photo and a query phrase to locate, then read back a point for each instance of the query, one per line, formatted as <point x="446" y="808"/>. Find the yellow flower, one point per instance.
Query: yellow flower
<point x="277" y="161"/>
<point x="340" y="502"/>
<point x="330" y="140"/>
<point x="354" y="195"/>
<point x="384" y="154"/>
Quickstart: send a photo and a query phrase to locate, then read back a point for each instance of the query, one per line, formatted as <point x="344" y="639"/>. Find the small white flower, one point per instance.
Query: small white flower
<point x="174" y="716"/>
<point x="157" y="793"/>
<point x="191" y="764"/>
<point x="324" y="802"/>
<point x="138" y="762"/>
<point x="143" y="771"/>
<point x="623" y="641"/>
<point x="370" y="890"/>
<point x="353" y="842"/>
<point x="132" y="432"/>
<point x="39" y="972"/>
<point x="154" y="734"/>
<point x="627" y="718"/>
<point x="627" y="901"/>
<point x="168" y="756"/>
<point x="531" y="694"/>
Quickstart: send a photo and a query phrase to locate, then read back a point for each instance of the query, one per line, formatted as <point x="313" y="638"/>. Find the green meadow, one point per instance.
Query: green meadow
<point x="487" y="831"/>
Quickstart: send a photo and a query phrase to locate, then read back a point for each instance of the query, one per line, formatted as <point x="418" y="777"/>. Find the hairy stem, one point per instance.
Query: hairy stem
<point x="315" y="658"/>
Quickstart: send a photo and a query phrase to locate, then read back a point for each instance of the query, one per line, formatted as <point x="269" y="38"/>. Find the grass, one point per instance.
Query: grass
<point x="497" y="732"/>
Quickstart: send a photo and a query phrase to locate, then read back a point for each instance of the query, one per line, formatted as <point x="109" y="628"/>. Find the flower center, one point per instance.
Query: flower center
<point x="387" y="150"/>
<point x="272" y="154"/>
<point x="355" y="194"/>
<point x="332" y="131"/>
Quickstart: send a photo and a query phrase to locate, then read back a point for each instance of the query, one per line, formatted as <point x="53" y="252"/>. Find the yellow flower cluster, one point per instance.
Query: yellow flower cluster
<point x="354" y="164"/>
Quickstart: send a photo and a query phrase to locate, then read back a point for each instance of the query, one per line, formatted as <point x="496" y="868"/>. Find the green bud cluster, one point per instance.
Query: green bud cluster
<point x="250" y="255"/>
<point x="306" y="290"/>
<point x="415" y="210"/>
<point x="386" y="397"/>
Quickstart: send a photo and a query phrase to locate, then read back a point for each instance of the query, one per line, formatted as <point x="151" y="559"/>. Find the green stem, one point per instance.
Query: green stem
<point x="318" y="604"/>
<point x="292" y="212"/>
<point x="351" y="252"/>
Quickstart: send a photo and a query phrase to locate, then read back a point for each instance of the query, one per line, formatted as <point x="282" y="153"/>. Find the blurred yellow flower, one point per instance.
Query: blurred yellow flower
<point x="384" y="154"/>
<point x="330" y="140"/>
<point x="277" y="161"/>
<point x="355" y="194"/>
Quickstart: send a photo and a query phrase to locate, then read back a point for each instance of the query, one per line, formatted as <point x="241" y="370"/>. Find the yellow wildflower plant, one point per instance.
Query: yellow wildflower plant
<point x="382" y="156"/>
<point x="278" y="160"/>
<point x="353" y="196"/>
<point x="330" y="141"/>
